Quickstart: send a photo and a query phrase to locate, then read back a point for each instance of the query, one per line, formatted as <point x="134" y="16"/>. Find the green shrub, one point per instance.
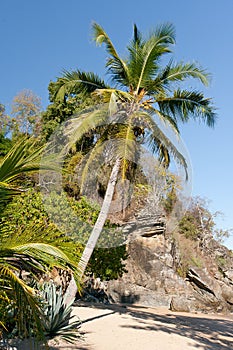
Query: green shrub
<point x="188" y="226"/>
<point x="76" y="219"/>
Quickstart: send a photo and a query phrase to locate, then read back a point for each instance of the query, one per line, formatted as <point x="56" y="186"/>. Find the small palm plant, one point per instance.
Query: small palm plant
<point x="20" y="256"/>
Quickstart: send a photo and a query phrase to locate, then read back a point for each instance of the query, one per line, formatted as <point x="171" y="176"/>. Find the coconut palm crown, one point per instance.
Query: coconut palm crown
<point x="148" y="88"/>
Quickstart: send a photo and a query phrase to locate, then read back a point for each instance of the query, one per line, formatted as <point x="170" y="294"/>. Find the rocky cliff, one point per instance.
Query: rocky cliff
<point x="166" y="269"/>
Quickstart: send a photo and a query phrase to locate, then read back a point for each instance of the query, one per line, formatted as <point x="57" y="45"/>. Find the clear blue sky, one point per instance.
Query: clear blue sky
<point x="40" y="38"/>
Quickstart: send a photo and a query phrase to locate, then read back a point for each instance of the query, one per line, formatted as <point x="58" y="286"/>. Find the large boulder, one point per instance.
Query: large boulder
<point x="152" y="278"/>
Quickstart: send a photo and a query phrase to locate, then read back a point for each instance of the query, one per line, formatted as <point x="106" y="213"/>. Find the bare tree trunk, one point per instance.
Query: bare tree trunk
<point x="72" y="288"/>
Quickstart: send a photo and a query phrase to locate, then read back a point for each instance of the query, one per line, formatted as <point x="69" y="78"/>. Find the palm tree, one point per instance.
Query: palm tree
<point x="18" y="254"/>
<point x="141" y="89"/>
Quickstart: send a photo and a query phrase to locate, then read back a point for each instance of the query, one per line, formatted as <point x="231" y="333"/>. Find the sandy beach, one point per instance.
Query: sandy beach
<point x="116" y="327"/>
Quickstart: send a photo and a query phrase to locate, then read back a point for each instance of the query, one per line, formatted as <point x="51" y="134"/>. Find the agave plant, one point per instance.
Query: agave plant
<point x="57" y="321"/>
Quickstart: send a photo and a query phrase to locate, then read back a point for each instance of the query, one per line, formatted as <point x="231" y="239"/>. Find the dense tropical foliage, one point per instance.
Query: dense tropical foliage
<point x="24" y="254"/>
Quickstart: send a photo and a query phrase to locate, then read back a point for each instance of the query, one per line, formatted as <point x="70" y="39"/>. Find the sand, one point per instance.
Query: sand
<point x="134" y="327"/>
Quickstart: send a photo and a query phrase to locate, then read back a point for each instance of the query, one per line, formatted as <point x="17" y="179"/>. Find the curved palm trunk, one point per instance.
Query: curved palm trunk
<point x="72" y="288"/>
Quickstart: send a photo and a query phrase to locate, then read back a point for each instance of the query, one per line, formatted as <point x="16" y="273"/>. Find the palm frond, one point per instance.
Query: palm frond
<point x="43" y="252"/>
<point x="165" y="32"/>
<point x="143" y="60"/>
<point x="137" y="36"/>
<point x="117" y="66"/>
<point x="15" y="234"/>
<point x="159" y="143"/>
<point x="178" y="72"/>
<point x="37" y="244"/>
<point x="36" y="247"/>
<point x="26" y="302"/>
<point x="7" y="192"/>
<point x="33" y="257"/>
<point x="77" y="82"/>
<point x="84" y="123"/>
<point x="126" y="146"/>
<point x="184" y="104"/>
<point x="92" y="156"/>
<point x="166" y="119"/>
<point x="22" y="158"/>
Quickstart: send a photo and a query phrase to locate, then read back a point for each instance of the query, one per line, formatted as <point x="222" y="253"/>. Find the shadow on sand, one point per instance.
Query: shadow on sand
<point x="210" y="333"/>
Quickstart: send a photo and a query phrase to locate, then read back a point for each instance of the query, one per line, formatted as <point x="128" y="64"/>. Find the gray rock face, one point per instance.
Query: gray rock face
<point x="152" y="279"/>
